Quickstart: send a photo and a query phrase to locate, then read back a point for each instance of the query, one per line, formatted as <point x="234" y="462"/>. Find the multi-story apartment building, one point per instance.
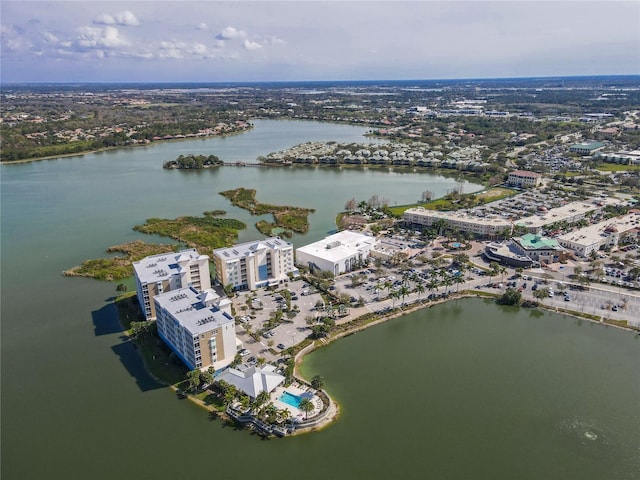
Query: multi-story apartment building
<point x="157" y="274"/>
<point x="197" y="326"/>
<point x="253" y="265"/>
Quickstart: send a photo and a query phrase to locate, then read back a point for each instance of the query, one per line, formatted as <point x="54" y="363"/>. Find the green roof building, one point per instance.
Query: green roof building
<point x="586" y="148"/>
<point x="539" y="248"/>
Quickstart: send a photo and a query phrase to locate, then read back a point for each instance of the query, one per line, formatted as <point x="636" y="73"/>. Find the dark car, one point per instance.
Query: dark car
<point x="281" y="346"/>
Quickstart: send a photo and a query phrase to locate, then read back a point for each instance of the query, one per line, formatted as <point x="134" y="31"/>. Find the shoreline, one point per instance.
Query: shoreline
<point x="333" y="410"/>
<point x="108" y="149"/>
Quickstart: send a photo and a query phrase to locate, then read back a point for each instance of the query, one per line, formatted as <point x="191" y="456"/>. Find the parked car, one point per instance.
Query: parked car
<point x="244" y="352"/>
<point x="281" y="346"/>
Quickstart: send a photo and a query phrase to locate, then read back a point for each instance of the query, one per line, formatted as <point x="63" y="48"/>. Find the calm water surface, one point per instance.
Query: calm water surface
<point x="482" y="392"/>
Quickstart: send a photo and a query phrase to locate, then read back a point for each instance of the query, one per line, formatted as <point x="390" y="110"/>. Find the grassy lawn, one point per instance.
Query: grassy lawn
<point x="159" y="360"/>
<point x="617" y="167"/>
<point x="465" y="201"/>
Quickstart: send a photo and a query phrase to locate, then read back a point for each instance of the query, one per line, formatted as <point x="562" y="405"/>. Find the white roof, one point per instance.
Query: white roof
<point x="156" y="268"/>
<point x="338" y="246"/>
<point x="250" y="248"/>
<point x="186" y="305"/>
<point x="594" y="233"/>
<point x="253" y="380"/>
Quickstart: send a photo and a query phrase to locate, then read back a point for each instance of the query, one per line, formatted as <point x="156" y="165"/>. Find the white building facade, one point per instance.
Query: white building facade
<point x="522" y="178"/>
<point x="338" y="253"/>
<point x="608" y="233"/>
<point x="253" y="265"/>
<point x="166" y="272"/>
<point x="197" y="326"/>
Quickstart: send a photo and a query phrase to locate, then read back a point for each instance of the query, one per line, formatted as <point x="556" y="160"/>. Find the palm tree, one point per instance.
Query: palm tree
<point x="419" y="289"/>
<point x="283" y="415"/>
<point x="261" y="399"/>
<point x="306" y="406"/>
<point x="433" y="285"/>
<point x="229" y="397"/>
<point x="394" y="296"/>
<point x="388" y="285"/>
<point x="447" y="281"/>
<point x="503" y="270"/>
<point x="403" y="292"/>
<point x="458" y="279"/>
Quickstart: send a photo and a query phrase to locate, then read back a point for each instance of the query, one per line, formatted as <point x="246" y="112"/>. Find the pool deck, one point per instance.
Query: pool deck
<point x="296" y="413"/>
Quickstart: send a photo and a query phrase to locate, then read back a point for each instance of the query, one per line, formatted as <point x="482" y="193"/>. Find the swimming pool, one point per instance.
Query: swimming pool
<point x="290" y="399"/>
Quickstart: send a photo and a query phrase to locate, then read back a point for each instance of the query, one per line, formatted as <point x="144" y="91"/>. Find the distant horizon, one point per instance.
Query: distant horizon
<point x="133" y="41"/>
<point x="329" y="81"/>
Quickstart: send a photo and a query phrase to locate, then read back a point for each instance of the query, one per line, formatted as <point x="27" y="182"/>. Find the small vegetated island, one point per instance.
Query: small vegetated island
<point x="288" y="219"/>
<point x="202" y="233"/>
<point x="193" y="162"/>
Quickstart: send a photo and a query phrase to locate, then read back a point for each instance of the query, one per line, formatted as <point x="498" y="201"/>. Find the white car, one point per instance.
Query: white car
<point x="244" y="352"/>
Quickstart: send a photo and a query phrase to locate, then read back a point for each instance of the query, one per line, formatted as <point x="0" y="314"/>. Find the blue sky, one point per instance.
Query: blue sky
<point x="122" y="41"/>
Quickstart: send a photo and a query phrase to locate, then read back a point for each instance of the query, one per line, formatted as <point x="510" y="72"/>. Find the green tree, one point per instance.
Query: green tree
<point x="317" y="382"/>
<point x="306" y="406"/>
<point x="228" y="290"/>
<point x="511" y="296"/>
<point x="237" y="360"/>
<point x="262" y="398"/>
<point x="194" y="379"/>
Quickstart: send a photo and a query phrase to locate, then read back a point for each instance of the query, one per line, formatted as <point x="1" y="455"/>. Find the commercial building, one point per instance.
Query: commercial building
<point x="162" y="273"/>
<point x="484" y="227"/>
<point x="497" y="226"/>
<point x="608" y="233"/>
<point x="197" y="326"/>
<point x="256" y="264"/>
<point x="587" y="148"/>
<point x="507" y="254"/>
<point x="253" y="380"/>
<point x="338" y="253"/>
<point x="540" y="249"/>
<point x="522" y="178"/>
<point x="625" y="157"/>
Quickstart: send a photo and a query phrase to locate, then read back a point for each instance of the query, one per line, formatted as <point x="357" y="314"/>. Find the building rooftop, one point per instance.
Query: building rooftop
<point x="338" y="246"/>
<point x="250" y="248"/>
<point x="525" y="173"/>
<point x="594" y="233"/>
<point x="197" y="312"/>
<point x="532" y="241"/>
<point x="253" y="380"/>
<point x="588" y="145"/>
<point x="160" y="267"/>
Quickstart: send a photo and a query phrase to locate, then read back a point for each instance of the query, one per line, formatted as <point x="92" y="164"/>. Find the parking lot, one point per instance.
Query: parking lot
<point x="288" y="333"/>
<point x="369" y="291"/>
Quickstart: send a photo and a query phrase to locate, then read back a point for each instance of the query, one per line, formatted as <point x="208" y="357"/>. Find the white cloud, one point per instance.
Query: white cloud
<point x="203" y="26"/>
<point x="126" y="19"/>
<point x="92" y="37"/>
<point x="198" y="49"/>
<point x="230" y="33"/>
<point x="249" y="45"/>
<point x="274" y="41"/>
<point x="50" y="38"/>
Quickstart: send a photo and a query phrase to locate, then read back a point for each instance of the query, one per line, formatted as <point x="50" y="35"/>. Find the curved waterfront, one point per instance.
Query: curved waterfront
<point x="76" y="402"/>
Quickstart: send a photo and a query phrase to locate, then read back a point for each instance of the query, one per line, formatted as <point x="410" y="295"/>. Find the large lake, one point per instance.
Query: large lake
<point x="464" y="390"/>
